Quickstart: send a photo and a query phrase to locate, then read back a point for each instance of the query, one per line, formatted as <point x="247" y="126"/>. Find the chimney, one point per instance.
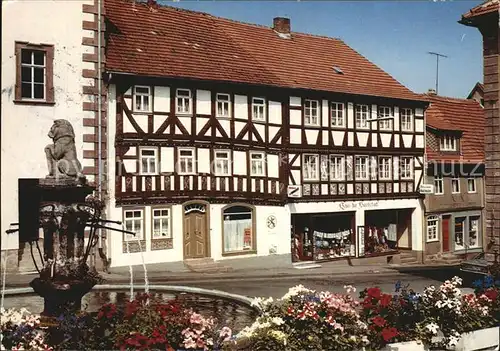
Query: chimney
<point x="431" y="92"/>
<point x="282" y="25"/>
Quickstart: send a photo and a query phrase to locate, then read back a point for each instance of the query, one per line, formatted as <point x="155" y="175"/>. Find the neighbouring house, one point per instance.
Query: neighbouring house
<point x="485" y="17"/>
<point x="455" y="169"/>
<point x="231" y="140"/>
<point x="477" y="93"/>
<point x="49" y="55"/>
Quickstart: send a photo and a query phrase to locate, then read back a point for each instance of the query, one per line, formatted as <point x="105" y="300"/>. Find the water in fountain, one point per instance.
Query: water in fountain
<point x="131" y="270"/>
<point x="146" y="282"/>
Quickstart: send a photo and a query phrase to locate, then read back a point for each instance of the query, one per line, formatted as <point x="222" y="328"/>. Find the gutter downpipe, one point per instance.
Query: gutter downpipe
<point x="99" y="113"/>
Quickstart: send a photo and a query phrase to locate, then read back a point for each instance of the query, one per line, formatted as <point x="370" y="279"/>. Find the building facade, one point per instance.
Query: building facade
<point x="221" y="148"/>
<point x="45" y="76"/>
<point x="455" y="172"/>
<point x="485" y="18"/>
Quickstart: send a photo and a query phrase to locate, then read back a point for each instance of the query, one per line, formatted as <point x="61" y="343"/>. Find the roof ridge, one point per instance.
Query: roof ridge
<point x="449" y="98"/>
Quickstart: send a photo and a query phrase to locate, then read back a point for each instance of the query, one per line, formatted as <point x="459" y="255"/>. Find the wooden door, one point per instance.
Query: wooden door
<point x="195" y="235"/>
<point x="445" y="229"/>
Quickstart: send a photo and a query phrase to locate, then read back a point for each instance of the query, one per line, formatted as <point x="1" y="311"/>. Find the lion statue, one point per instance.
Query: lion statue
<point x="61" y="155"/>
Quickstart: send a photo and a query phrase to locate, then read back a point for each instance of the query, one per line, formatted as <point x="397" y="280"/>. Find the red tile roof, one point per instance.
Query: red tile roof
<point x="451" y="114"/>
<point x="172" y="42"/>
<point x="484" y="8"/>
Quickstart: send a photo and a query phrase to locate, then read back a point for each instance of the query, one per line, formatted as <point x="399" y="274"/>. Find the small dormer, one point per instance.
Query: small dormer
<point x="449" y="142"/>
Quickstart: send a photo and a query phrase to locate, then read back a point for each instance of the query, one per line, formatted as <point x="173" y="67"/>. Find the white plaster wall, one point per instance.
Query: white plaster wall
<point x="241" y="106"/>
<point x="38" y="22"/>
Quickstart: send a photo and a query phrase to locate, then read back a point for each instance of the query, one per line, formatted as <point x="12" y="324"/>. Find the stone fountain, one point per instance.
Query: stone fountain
<point x="63" y="205"/>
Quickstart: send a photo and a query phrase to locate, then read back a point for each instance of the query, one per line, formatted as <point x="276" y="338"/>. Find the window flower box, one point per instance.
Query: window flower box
<point x="481" y="339"/>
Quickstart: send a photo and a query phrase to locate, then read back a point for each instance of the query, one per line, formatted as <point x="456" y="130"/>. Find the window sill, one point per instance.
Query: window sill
<point x="311" y="126"/>
<point x="364" y="128"/>
<point x="184" y="114"/>
<point x="222" y="175"/>
<point x="34" y="102"/>
<point x="261" y="121"/>
<point x="223" y="117"/>
<point x="142" y="112"/>
<point x="432" y="241"/>
<point x="239" y="253"/>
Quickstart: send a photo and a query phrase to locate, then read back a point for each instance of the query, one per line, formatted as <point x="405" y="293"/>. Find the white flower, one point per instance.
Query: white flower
<point x="433" y="328"/>
<point x="349" y="288"/>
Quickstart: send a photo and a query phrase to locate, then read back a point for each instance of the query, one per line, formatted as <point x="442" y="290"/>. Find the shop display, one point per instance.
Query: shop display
<point x="333" y="245"/>
<point x="379" y="240"/>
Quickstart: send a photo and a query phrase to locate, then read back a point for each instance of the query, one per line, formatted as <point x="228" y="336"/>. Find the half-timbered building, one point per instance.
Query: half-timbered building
<point x="229" y="139"/>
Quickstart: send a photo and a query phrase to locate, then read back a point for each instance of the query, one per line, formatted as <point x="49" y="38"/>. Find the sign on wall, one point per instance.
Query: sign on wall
<point x="426" y="189"/>
<point x="294" y="191"/>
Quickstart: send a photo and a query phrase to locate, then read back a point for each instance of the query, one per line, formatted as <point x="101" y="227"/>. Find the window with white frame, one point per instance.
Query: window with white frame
<point x="474" y="231"/>
<point x="455" y="185"/>
<point x="161" y="223"/>
<point x="223" y="105"/>
<point x="134" y="222"/>
<point x="337" y="114"/>
<point x="258" y="109"/>
<point x="186" y="161"/>
<point x="384" y="167"/>
<point x="471" y="185"/>
<point x="311" y="112"/>
<point x="238" y="230"/>
<point x="311" y="167"/>
<point x="361" y="116"/>
<point x="361" y="168"/>
<point x="406" y="119"/>
<point x="406" y="165"/>
<point x="448" y="143"/>
<point x="385" y="112"/>
<point x="183" y="101"/>
<point x="142" y="98"/>
<point x="222" y="163"/>
<point x="257" y="164"/>
<point x="432" y="228"/>
<point x="337" y="167"/>
<point x="148" y="161"/>
<point x="438" y="185"/>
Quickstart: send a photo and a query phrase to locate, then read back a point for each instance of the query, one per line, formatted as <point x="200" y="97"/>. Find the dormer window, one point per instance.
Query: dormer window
<point x="448" y="143"/>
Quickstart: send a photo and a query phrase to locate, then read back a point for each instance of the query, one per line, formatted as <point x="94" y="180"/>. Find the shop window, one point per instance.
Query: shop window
<point x="459" y="233"/>
<point x="382" y="228"/>
<point x="455" y="185"/>
<point x="438" y="185"/>
<point x="238" y="229"/>
<point x="161" y="224"/>
<point x="432" y="228"/>
<point x="134" y="222"/>
<point x="474" y="232"/>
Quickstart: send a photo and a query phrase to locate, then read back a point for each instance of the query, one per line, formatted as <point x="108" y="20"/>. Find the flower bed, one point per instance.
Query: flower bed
<point x="302" y="319"/>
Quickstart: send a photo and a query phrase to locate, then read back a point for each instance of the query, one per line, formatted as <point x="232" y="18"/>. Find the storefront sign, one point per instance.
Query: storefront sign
<point x="358" y="205"/>
<point x="426" y="189"/>
<point x="294" y="191"/>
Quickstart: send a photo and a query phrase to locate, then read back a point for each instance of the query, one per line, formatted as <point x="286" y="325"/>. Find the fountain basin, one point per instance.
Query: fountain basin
<point x="235" y="310"/>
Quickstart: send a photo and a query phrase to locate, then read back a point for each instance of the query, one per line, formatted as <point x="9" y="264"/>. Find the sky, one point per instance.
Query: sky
<point x="395" y="35"/>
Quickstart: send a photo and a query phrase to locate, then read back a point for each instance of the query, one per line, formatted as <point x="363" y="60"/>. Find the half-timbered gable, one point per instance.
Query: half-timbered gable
<point x="221" y="130"/>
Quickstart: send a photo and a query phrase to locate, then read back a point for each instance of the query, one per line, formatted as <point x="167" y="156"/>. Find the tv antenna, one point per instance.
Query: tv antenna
<point x="438" y="55"/>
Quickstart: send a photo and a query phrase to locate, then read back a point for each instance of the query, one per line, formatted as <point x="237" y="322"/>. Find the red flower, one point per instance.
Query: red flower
<point x="108" y="311"/>
<point x="374" y="293"/>
<point x="131" y="307"/>
<point x="385" y="300"/>
<point x="389" y="333"/>
<point x="378" y="321"/>
<point x="491" y="294"/>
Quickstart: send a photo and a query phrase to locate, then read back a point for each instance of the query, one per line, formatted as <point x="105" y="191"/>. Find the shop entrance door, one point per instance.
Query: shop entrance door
<point x="445" y="229"/>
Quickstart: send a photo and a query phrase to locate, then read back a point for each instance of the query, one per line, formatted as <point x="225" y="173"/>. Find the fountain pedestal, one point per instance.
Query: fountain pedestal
<point x="64" y="212"/>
